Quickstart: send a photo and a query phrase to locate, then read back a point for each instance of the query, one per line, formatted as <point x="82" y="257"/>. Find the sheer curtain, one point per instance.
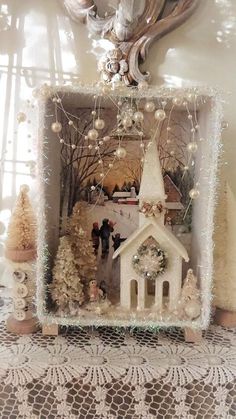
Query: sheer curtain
<point x="37" y="45"/>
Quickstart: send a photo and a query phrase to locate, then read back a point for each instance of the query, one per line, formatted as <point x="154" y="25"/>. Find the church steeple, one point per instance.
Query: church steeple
<point x="152" y="185"/>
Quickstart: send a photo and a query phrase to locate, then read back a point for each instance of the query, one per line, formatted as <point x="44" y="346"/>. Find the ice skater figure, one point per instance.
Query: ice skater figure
<point x="105" y="232"/>
<point x="117" y="240"/>
<point x="95" y="234"/>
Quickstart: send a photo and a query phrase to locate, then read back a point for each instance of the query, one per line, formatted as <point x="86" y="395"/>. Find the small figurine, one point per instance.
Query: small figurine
<point x="105" y="232"/>
<point x="95" y="234"/>
<point x="95" y="293"/>
<point x="117" y="240"/>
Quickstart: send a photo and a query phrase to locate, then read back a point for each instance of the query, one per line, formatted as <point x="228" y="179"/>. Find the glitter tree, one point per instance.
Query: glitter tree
<point x="81" y="245"/>
<point x="66" y="288"/>
<point x="190" y="297"/>
<point x="21" y="236"/>
<point x="21" y="253"/>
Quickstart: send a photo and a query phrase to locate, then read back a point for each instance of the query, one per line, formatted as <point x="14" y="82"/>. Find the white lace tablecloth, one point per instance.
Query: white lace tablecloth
<point x="114" y="374"/>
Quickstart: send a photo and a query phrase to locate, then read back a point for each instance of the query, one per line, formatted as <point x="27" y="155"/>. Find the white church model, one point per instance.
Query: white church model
<point x="152" y="255"/>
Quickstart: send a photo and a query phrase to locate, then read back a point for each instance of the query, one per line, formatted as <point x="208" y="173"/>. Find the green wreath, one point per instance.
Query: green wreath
<point x="150" y="261"/>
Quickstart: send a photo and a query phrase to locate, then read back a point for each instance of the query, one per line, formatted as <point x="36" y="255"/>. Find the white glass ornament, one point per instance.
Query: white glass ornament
<point x="21" y="117"/>
<point x="106" y="138"/>
<point x="127" y="122"/>
<point x="138" y="116"/>
<point x="93" y="113"/>
<point x="192" y="309"/>
<point x="99" y="123"/>
<point x="160" y="114"/>
<point x="93" y="188"/>
<point x="190" y="116"/>
<point x="120" y="152"/>
<point x="149" y="107"/>
<point x="177" y="101"/>
<point x="61" y="141"/>
<point x="110" y="165"/>
<point x="194" y="193"/>
<point x="70" y="122"/>
<point x="192" y="147"/>
<point x="56" y="127"/>
<point x="92" y="134"/>
<point x="186" y="168"/>
<point x="73" y="146"/>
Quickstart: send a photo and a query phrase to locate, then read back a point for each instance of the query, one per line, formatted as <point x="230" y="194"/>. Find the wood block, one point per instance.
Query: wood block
<point x="50" y="329"/>
<point x="23" y="327"/>
<point x="225" y="318"/>
<point x="192" y="335"/>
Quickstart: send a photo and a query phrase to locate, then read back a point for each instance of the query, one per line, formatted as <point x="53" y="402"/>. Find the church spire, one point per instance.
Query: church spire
<point x="152" y="185"/>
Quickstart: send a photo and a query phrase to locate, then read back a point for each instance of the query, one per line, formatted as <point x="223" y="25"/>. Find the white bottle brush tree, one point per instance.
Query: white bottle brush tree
<point x="21" y="236"/>
<point x="66" y="288"/>
<point x="21" y="254"/>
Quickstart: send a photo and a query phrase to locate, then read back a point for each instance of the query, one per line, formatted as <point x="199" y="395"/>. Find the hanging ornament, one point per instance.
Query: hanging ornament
<point x="160" y="115"/>
<point x="194" y="193"/>
<point x="177" y="101"/>
<point x="120" y="152"/>
<point x="149" y="106"/>
<point x="92" y="134"/>
<point x="45" y="91"/>
<point x="56" y="127"/>
<point x="138" y="116"/>
<point x="106" y="138"/>
<point x="21" y="117"/>
<point x="192" y="147"/>
<point x="99" y="123"/>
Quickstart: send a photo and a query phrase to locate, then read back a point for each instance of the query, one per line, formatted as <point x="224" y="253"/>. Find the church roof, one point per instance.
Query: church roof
<point x="165" y="232"/>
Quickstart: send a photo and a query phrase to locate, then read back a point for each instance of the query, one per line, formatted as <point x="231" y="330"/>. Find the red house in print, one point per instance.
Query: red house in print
<point x="173" y="204"/>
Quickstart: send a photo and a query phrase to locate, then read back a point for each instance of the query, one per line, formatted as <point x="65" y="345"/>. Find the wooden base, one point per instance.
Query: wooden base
<point x="24" y="327"/>
<point x="225" y="318"/>
<point x="50" y="329"/>
<point x="192" y="335"/>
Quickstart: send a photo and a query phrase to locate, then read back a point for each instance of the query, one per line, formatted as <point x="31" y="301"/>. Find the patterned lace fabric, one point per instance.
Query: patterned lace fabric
<point x="112" y="374"/>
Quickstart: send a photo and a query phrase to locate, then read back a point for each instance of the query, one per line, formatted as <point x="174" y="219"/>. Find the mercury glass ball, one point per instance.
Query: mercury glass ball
<point x="56" y="127"/>
<point x="192" y="147"/>
<point x="121" y="152"/>
<point x="106" y="138"/>
<point x="194" y="193"/>
<point x="93" y="134"/>
<point x="99" y="123"/>
<point x="138" y="116"/>
<point x="149" y="106"/>
<point x="160" y="115"/>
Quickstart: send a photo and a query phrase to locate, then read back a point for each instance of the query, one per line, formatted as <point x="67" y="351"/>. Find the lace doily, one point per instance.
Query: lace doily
<point x="113" y="374"/>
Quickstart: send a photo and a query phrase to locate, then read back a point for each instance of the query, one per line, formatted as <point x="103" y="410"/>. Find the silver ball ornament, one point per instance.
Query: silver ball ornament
<point x="160" y="114"/>
<point x="120" y="152"/>
<point x="92" y="134"/>
<point x="194" y="193"/>
<point x="192" y="147"/>
<point x="99" y="123"/>
<point x="149" y="106"/>
<point x="138" y="116"/>
<point x="56" y="127"/>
